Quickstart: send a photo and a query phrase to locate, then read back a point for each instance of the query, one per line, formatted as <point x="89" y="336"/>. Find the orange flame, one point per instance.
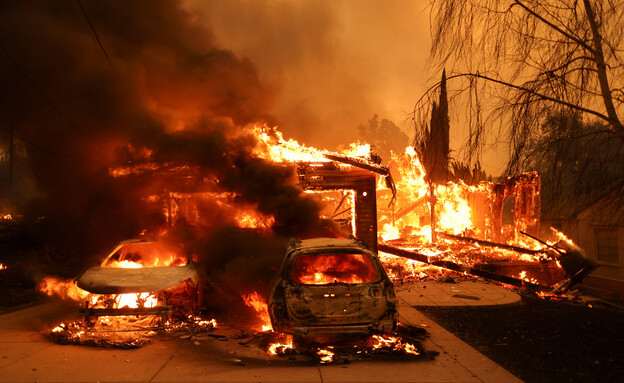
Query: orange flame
<point x="329" y="268"/>
<point x="258" y="303"/>
<point x="66" y="289"/>
<point x="394" y="343"/>
<point x="279" y="348"/>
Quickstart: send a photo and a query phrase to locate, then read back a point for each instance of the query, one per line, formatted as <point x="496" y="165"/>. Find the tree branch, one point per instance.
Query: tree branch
<point x="555" y="27"/>
<point x="532" y="92"/>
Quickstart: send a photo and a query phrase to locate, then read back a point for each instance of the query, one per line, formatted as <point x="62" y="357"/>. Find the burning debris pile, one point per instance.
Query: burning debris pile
<point x="127" y="331"/>
<point x="405" y="342"/>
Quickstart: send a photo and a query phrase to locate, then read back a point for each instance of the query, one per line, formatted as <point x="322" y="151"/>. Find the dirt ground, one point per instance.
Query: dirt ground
<point x="543" y="341"/>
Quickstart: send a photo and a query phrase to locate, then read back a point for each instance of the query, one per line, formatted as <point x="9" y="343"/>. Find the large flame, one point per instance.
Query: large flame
<point x="255" y="301"/>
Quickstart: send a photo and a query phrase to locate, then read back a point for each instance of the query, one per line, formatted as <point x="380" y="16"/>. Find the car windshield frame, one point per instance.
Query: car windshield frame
<point x="141" y="254"/>
<point x="340" y="275"/>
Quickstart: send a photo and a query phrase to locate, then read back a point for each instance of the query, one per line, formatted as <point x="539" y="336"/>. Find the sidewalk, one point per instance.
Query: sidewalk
<point x="456" y="294"/>
<point x="26" y="355"/>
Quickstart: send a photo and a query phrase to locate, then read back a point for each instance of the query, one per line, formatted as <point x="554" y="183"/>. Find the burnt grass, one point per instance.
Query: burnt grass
<point x="542" y="340"/>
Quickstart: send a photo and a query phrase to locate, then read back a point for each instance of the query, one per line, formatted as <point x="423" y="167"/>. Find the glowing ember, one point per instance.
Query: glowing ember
<point x="259" y="304"/>
<point x="394" y="343"/>
<point x="325" y="355"/>
<point x="136" y="300"/>
<point x="128" y="331"/>
<point x="199" y="321"/>
<point x="120" y="332"/>
<point x="280" y="348"/>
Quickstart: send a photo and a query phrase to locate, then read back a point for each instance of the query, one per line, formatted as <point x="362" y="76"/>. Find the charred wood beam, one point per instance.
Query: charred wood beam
<point x="460" y="268"/>
<point x="375" y="168"/>
<point x="491" y="244"/>
<point x="366" y="165"/>
<point x="543" y="243"/>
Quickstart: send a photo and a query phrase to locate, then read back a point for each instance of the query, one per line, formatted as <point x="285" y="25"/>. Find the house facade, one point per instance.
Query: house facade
<point x="598" y="229"/>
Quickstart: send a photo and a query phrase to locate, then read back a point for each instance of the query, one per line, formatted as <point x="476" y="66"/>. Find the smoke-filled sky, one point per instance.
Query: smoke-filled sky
<point x="334" y="63"/>
<point x="317" y="69"/>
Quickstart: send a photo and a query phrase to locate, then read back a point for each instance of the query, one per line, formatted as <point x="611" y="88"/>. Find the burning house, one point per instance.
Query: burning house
<point x="343" y="194"/>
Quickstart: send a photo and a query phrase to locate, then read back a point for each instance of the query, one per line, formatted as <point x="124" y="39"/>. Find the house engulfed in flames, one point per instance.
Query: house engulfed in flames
<point x="387" y="207"/>
<point x="487" y="230"/>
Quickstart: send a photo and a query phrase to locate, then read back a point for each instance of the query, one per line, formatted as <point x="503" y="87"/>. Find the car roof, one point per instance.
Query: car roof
<point x="323" y="242"/>
<point x="137" y="240"/>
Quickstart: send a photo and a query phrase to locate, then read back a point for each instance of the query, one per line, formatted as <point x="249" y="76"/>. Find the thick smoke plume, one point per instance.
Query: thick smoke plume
<point x="134" y="83"/>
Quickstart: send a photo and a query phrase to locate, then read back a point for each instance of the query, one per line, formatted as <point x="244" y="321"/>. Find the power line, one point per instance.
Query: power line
<point x="49" y="102"/>
<point x="43" y="149"/>
<point x="84" y="12"/>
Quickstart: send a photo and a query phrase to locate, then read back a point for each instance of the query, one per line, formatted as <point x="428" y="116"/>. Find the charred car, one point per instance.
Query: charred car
<point x="142" y="277"/>
<point x="329" y="289"/>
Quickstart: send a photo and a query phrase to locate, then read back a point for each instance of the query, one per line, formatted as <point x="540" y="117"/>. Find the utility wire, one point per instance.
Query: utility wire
<point x="43" y="149"/>
<point x="49" y="102"/>
<point x="84" y="12"/>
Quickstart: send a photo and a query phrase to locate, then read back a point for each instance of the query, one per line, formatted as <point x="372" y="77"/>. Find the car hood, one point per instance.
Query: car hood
<point x="106" y="280"/>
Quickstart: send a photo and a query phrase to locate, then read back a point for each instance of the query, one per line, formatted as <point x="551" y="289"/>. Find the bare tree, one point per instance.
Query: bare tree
<point x="516" y="61"/>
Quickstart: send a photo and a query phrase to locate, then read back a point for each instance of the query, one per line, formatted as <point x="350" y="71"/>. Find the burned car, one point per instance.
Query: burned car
<point x="329" y="289"/>
<point x="142" y="277"/>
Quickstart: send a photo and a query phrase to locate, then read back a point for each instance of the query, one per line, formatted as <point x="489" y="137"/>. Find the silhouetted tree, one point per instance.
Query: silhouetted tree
<point x="384" y="135"/>
<point x="432" y="145"/>
<point x="579" y="164"/>
<point x="461" y="171"/>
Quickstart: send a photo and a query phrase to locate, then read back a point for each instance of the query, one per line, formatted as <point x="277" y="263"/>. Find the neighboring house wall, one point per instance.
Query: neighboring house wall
<point x="599" y="230"/>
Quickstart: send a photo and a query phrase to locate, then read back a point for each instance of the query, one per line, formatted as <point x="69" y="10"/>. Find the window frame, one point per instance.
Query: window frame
<point x="607" y="262"/>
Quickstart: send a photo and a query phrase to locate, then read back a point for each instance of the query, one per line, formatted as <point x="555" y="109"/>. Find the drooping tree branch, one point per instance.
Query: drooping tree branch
<point x="525" y="59"/>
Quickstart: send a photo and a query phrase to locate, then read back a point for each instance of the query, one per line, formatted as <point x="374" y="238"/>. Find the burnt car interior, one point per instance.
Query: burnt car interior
<point x="318" y="269"/>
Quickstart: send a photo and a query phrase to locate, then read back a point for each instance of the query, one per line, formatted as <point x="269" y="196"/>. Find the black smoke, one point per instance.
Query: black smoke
<point x="159" y="84"/>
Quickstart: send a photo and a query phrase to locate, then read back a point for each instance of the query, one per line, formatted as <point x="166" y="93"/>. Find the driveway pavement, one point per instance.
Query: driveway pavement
<point x="26" y="355"/>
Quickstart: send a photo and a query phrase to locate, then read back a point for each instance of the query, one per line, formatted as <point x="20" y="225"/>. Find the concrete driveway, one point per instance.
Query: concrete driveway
<point x="26" y="355"/>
